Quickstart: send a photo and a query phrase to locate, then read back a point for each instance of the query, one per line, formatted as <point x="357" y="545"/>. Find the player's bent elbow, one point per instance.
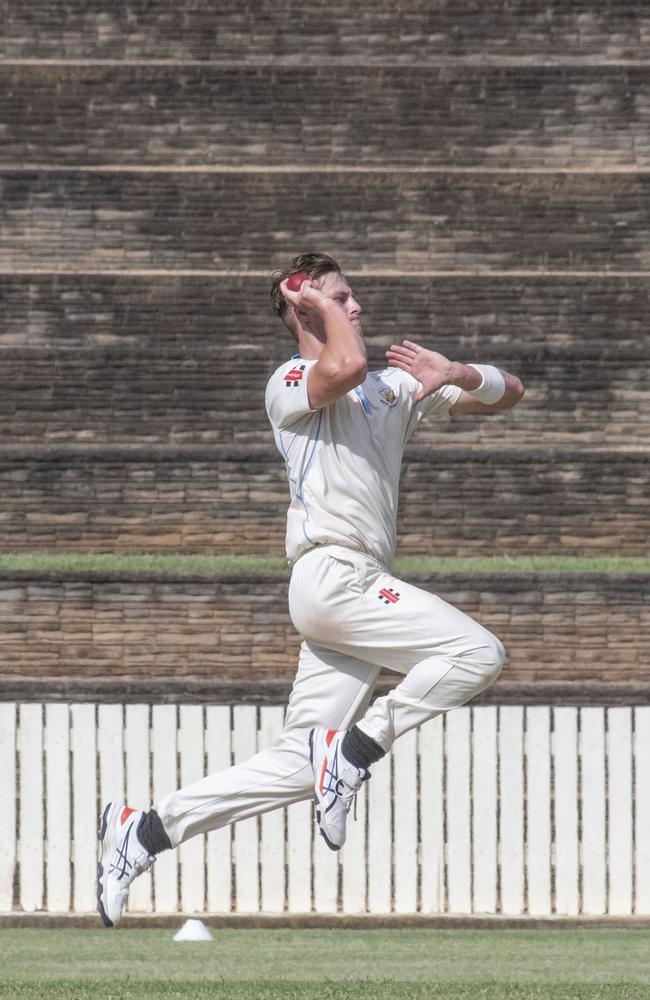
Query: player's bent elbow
<point x="512" y="397"/>
<point x="329" y="381"/>
<point x="515" y="392"/>
<point x="354" y="369"/>
<point x="348" y="372"/>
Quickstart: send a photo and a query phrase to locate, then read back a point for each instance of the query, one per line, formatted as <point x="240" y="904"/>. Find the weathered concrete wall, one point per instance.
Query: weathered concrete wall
<point x="412" y="33"/>
<point x="142" y="206"/>
<point x="234" y="499"/>
<point x="232" y="637"/>
<point x="403" y="221"/>
<point x="177" y="368"/>
<point x="171" y="312"/>
<point x="188" y="363"/>
<point x="523" y="116"/>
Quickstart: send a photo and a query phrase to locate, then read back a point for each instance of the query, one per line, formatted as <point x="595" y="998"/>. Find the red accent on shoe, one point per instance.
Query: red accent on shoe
<point x="331" y="733"/>
<point x="322" y="775"/>
<point x="124" y="815"/>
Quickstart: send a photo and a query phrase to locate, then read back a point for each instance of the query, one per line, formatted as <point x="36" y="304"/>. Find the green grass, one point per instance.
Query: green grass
<point x="175" y="564"/>
<point x="133" y="964"/>
<point x="355" y="990"/>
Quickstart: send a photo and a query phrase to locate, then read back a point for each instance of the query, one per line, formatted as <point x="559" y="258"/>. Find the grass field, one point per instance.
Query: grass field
<point x="135" y="964"/>
<point x="159" y="563"/>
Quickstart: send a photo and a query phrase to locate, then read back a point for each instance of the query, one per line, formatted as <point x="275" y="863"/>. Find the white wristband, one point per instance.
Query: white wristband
<point x="493" y="386"/>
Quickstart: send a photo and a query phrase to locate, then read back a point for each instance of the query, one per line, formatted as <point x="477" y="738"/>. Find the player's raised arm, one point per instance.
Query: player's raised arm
<point x="485" y="389"/>
<point x="342" y="363"/>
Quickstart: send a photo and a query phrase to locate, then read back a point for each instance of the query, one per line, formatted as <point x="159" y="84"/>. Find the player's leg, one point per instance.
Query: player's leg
<point x="447" y="657"/>
<point x="330" y="688"/>
<point x="466" y="659"/>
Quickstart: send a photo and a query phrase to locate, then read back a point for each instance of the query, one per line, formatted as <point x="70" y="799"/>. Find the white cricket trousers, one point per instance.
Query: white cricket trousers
<point x="355" y="618"/>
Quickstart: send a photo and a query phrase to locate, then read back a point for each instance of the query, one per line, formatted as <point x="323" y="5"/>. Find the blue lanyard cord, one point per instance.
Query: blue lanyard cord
<point x="365" y="402"/>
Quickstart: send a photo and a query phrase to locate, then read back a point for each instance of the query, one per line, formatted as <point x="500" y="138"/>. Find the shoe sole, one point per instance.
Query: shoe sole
<point x="107" y="922"/>
<point x="332" y="847"/>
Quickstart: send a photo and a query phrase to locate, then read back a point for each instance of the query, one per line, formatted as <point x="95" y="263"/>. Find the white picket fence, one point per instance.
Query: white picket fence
<point x="491" y="810"/>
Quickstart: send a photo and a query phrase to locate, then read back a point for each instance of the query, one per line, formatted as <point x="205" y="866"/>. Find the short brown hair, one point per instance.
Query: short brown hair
<point x="313" y="264"/>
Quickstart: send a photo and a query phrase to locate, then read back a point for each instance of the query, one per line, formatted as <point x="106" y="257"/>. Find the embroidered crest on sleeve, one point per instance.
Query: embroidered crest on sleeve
<point x="294" y="377"/>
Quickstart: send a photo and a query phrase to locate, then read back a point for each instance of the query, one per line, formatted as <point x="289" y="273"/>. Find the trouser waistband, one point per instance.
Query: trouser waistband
<point x="344" y="550"/>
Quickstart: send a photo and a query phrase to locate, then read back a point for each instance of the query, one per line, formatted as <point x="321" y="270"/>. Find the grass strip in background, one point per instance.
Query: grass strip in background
<point x="199" y="564"/>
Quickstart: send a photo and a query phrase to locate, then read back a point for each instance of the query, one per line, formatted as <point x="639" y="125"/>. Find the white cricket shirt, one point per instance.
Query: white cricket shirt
<point x="344" y="460"/>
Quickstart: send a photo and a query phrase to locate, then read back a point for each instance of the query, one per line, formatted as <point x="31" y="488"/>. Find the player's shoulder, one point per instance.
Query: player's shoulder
<point x="286" y="396"/>
<point x="294" y="363"/>
<point x="291" y="372"/>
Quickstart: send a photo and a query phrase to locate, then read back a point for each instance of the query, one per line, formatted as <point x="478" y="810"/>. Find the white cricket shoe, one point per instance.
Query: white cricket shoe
<point x="336" y="783"/>
<point x="123" y="858"/>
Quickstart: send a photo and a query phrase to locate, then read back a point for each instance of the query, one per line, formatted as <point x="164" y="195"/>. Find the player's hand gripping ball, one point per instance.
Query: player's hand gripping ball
<point x="296" y="280"/>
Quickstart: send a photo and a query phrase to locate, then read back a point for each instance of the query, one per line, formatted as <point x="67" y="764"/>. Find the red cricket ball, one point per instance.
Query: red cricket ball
<point x="296" y="280"/>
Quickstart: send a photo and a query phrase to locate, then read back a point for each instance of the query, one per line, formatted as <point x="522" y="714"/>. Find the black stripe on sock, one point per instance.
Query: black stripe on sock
<point x="151" y="833"/>
<point x="360" y="749"/>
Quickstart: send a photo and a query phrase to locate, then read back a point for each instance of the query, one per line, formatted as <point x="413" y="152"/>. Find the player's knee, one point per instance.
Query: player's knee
<point x="485" y="659"/>
<point x="493" y="659"/>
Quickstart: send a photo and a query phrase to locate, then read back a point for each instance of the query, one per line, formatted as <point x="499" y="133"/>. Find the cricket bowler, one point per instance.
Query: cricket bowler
<point x="341" y="431"/>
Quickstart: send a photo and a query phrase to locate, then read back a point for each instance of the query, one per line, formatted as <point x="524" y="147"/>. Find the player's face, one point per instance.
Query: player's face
<point x="336" y="286"/>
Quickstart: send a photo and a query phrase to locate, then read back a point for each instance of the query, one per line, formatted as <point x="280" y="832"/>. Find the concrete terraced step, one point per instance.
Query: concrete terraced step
<point x="483" y="313"/>
<point x="116" y="221"/>
<point x="234" y="500"/>
<point x="592" y="394"/>
<point x="141" y="116"/>
<point x="221" y="639"/>
<point x="414" y="31"/>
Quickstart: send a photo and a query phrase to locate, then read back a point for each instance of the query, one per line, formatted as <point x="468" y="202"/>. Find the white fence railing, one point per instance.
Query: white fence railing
<point x="490" y="810"/>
